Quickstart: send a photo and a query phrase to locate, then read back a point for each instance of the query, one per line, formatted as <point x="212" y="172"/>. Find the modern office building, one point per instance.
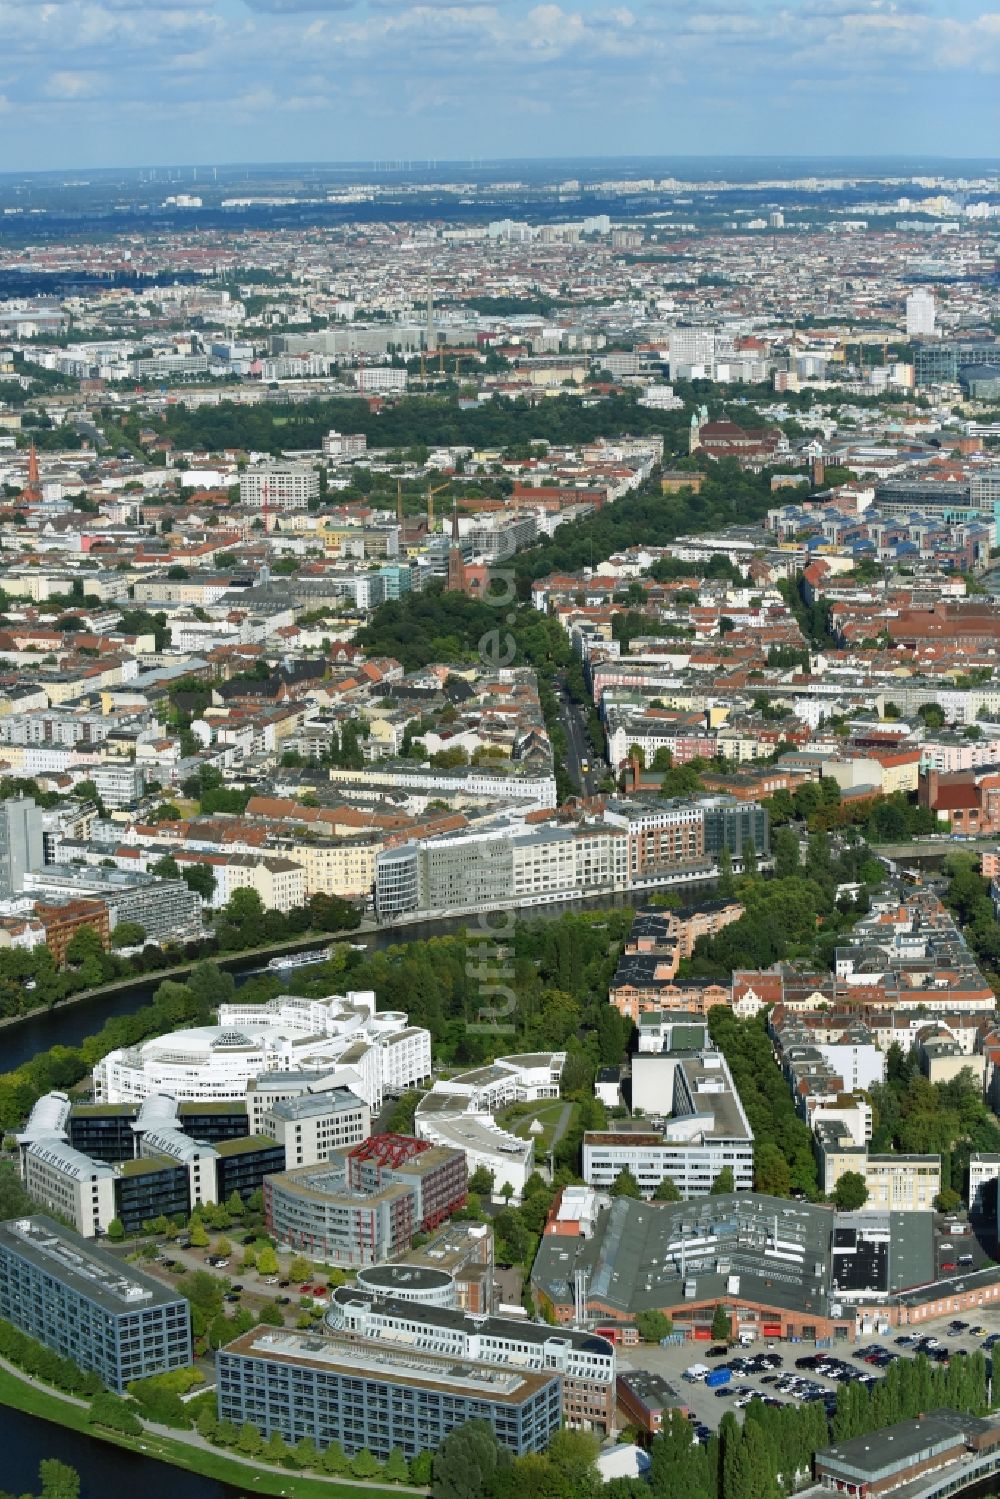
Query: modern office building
<point x="693" y="1125"/>
<point x="143" y="1162"/>
<point x="368" y="1395"/>
<point x="313" y="1125"/>
<point x="585" y="1362"/>
<point x="459" y="1112"/>
<point x="940" y="363"/>
<point x="365" y="1204"/>
<point x="88" y="1306"/>
<point x="21" y="843"/>
<point x="71" y="1184"/>
<point x="367" y="1051"/>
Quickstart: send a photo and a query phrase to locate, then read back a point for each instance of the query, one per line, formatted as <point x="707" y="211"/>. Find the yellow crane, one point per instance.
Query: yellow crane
<point x="430" y="502"/>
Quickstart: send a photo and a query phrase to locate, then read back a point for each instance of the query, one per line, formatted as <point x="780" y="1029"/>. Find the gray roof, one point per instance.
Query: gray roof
<point x="91" y="1272"/>
<point x="498" y="1327"/>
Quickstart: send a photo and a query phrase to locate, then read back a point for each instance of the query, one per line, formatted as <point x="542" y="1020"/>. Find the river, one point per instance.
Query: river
<point x="71" y="1023"/>
<point x="103" y="1469"/>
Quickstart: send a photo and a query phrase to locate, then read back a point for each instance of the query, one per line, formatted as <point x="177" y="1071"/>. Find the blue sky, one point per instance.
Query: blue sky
<point x="134" y="82"/>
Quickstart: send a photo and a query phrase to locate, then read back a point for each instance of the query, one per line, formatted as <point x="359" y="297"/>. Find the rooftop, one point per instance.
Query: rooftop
<point x="90" y="1271"/>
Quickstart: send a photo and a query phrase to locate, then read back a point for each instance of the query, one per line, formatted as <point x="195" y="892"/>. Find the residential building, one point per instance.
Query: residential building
<point x="64" y="918"/>
<point x="897" y="1183"/>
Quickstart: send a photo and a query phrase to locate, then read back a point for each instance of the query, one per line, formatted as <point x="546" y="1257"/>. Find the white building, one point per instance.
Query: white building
<point x="313" y="1124"/>
<point x="342" y="447"/>
<point x="920" y="314"/>
<point x="288" y="486"/>
<point x="459" y="1113"/>
<point x="367" y="1051"/>
<point x="71" y="1184"/>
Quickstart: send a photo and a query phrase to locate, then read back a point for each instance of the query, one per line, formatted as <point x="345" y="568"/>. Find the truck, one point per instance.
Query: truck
<point x="695" y="1373"/>
<point x="718" y="1377"/>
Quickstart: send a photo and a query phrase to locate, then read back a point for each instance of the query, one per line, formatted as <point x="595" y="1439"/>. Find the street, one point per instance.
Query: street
<point x="579" y="750"/>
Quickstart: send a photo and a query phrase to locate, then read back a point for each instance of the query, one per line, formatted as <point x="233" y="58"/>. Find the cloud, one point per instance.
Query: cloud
<point x="68" y="85"/>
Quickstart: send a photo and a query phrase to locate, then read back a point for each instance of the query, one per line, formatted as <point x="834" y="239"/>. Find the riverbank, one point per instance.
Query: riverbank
<point x="187" y="1451"/>
<point x="177" y="970"/>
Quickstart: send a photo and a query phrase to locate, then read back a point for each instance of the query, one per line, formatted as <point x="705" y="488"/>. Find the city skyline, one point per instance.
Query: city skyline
<point x="281" y="80"/>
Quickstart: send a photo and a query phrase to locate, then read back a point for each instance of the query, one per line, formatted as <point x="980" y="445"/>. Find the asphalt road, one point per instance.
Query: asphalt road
<point x="578" y="746"/>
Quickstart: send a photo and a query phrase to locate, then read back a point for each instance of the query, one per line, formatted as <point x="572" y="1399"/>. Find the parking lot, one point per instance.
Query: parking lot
<point x="782" y="1372"/>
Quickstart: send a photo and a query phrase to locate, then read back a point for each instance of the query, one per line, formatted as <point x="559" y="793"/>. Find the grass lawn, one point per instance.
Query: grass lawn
<point x="548" y="1112"/>
<point x="51" y="1407"/>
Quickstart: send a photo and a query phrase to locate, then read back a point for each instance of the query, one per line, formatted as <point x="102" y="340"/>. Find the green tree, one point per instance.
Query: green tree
<point x="721" y="1328"/>
<point x="771" y="1171"/>
<point x="128" y="934"/>
<point x="365" y="1465"/>
<point x="724" y="1182"/>
<point x="850" y="1194"/>
<point x="397" y="1469"/>
<point x="267" y="1262"/>
<point x="467" y="1462"/>
<point x="653" y="1326"/>
<point x="625" y="1185"/>
<point x="667" y="1191"/>
<point x="249" y="1440"/>
<point x="785" y="848"/>
<point x="198" y="1234"/>
<point x="116" y="1230"/>
<point x="59" y="1480"/>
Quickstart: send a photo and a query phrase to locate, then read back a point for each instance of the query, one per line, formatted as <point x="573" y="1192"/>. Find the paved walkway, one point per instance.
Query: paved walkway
<point x="194" y="1439"/>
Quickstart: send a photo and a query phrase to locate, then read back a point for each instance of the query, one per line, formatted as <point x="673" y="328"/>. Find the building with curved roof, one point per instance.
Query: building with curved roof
<point x="372" y="1052"/>
<point x="459" y="1113"/>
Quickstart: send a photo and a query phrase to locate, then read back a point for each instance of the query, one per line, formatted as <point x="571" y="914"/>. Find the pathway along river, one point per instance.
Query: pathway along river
<point x="103" y="1469"/>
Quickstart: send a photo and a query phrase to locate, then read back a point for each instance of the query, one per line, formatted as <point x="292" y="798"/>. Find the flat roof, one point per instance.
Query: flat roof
<point x="90" y="1271"/>
<point x="879" y="1453"/>
<point x="440" y="1316"/>
<point x="245" y="1145"/>
<point x="372" y="1360"/>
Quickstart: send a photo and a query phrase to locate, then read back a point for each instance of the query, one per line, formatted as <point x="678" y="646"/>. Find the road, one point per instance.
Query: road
<point x="932" y="847"/>
<point x="578" y="746"/>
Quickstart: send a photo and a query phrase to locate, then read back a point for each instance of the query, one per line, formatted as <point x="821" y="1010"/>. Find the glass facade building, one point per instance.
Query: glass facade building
<point x="88" y="1306"/>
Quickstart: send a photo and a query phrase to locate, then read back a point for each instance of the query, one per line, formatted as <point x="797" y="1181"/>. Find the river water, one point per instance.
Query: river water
<point x="103" y="1469"/>
<point x="72" y="1023"/>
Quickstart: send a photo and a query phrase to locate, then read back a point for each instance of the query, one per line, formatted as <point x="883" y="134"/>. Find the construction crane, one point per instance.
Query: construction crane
<point x="430" y="502"/>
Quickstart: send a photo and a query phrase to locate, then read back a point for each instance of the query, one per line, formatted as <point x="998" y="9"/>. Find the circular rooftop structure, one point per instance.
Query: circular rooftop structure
<point x="421" y="1283"/>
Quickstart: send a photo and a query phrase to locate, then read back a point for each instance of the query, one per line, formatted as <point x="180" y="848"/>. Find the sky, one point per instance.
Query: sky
<point x="89" y="83"/>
